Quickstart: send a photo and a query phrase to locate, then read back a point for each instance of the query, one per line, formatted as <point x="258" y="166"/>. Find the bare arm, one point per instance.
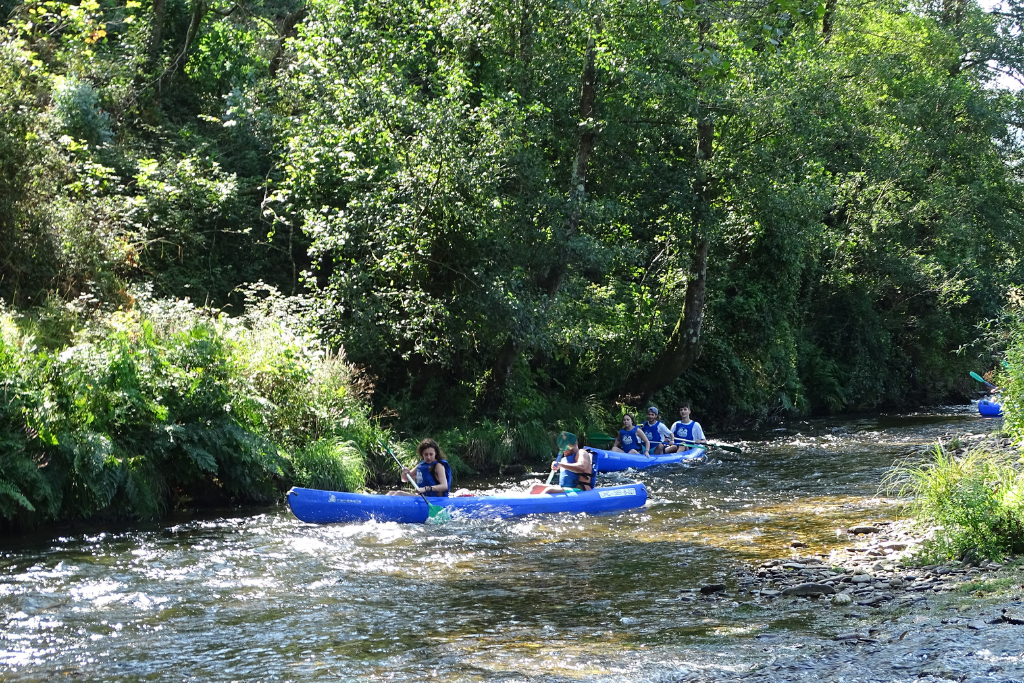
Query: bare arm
<point x="442" y="486"/>
<point x="583" y="463"/>
<point x="647" y="442"/>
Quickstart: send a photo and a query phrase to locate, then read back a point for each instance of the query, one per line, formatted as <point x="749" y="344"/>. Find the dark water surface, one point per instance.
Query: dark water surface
<point x="264" y="597"/>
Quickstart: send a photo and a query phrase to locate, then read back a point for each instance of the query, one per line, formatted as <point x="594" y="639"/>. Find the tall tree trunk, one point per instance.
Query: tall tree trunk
<point x="287" y="31"/>
<point x="683" y="346"/>
<point x="828" y="20"/>
<point x="156" y="31"/>
<point x="501" y="370"/>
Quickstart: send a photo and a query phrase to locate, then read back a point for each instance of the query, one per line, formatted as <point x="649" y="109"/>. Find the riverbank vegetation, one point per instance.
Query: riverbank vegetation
<point x="501" y="219"/>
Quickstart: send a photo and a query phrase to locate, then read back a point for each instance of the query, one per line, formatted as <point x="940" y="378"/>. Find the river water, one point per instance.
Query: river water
<point x="260" y="596"/>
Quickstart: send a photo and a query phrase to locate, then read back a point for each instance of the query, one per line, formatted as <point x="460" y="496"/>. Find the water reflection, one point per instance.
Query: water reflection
<point x="265" y="597"/>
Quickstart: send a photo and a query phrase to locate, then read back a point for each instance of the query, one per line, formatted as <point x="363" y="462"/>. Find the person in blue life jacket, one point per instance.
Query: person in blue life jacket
<point x="631" y="439"/>
<point x="575" y="467"/>
<point x="658" y="434"/>
<point x="685" y="431"/>
<point x="432" y="476"/>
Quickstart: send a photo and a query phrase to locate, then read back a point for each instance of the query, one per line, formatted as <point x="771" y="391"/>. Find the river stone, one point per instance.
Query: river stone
<point x="806" y="589"/>
<point x="794" y="565"/>
<point x="851" y="636"/>
<point x="1014" y="618"/>
<point x="797" y="544"/>
<point x="977" y="625"/>
<point x="863" y="529"/>
<point x="768" y="593"/>
<point x="894" y="545"/>
<point x="842" y="599"/>
<point x="895" y="582"/>
<point x="863" y="578"/>
<point x="711" y="588"/>
<point x="876" y="600"/>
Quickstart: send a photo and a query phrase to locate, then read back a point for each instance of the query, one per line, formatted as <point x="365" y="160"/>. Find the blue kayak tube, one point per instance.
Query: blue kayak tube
<point x="332" y="507"/>
<point x="611" y="461"/>
<point x="989" y="408"/>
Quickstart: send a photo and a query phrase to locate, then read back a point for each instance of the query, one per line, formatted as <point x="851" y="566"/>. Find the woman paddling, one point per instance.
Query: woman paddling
<point x="630" y="438"/>
<point x="432" y="476"/>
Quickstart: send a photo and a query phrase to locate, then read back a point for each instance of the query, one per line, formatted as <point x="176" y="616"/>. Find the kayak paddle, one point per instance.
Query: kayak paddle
<point x="731" y="449"/>
<point x="982" y="380"/>
<point x="435" y="513"/>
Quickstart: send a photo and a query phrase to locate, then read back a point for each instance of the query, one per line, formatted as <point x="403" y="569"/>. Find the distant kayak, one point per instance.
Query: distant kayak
<point x="610" y="461"/>
<point x="990" y="408"/>
<point x="330" y="507"/>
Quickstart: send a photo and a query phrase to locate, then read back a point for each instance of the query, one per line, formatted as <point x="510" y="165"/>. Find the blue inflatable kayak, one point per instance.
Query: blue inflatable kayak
<point x="329" y="507"/>
<point x="610" y="461"/>
<point x="989" y="408"/>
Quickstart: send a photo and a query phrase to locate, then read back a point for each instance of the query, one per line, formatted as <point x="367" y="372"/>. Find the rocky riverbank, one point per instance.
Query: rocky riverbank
<point x="891" y="619"/>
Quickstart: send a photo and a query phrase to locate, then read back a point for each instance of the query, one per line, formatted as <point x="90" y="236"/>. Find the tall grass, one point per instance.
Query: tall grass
<point x="976" y="500"/>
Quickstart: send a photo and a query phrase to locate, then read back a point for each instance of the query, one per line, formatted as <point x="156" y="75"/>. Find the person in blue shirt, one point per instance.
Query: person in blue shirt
<point x="631" y="439"/>
<point x="432" y="476"/>
<point x="658" y="435"/>
<point x="575" y="469"/>
<point x="685" y="431"/>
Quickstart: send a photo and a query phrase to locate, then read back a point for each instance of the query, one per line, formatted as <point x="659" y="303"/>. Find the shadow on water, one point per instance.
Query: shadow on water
<point x="265" y="597"/>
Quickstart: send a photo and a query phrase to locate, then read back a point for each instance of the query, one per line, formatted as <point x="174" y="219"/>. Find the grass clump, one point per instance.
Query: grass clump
<point x="975" y="501"/>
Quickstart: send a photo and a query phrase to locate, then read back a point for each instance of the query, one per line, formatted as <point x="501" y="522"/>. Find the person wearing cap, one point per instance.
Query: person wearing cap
<point x="575" y="467"/>
<point x="687" y="432"/>
<point x="657" y="433"/>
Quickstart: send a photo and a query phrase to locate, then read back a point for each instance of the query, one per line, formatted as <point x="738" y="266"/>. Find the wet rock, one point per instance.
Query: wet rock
<point x="876" y="600"/>
<point x="896" y="582"/>
<point x="894" y="545"/>
<point x="862" y="578"/>
<point x="1015" y="618"/>
<point x="712" y="588"/>
<point x="976" y="625"/>
<point x="768" y="593"/>
<point x="797" y="544"/>
<point x="863" y="529"/>
<point x="850" y="636"/>
<point x="793" y="565"/>
<point x="808" y="589"/>
<point x="842" y="599"/>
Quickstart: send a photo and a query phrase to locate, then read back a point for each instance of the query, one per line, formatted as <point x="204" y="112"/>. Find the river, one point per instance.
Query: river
<point x="260" y="596"/>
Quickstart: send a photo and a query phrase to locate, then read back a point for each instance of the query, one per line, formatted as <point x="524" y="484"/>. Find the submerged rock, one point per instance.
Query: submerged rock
<point x="808" y="589"/>
<point x="711" y="588"/>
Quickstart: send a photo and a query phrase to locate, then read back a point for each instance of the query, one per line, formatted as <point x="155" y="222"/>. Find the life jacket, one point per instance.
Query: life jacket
<point x="424" y="477"/>
<point x="683" y="432"/>
<point x="575" y="480"/>
<point x="630" y="440"/>
<point x="652" y="431"/>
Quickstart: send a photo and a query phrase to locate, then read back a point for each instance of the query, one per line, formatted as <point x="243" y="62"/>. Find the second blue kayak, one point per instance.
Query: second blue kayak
<point x="610" y="461"/>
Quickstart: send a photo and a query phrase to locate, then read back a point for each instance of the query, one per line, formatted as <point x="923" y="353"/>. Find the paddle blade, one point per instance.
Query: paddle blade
<point x="731" y="449"/>
<point x="982" y="379"/>
<point x="437" y="514"/>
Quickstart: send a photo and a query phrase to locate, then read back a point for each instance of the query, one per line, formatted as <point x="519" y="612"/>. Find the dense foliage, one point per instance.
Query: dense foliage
<point x="167" y="406"/>
<point x="512" y="216"/>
